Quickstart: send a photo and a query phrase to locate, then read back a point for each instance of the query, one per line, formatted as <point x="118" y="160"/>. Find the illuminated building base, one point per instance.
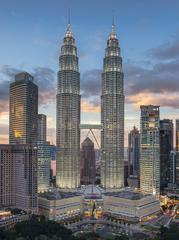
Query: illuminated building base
<point x="92" y="202"/>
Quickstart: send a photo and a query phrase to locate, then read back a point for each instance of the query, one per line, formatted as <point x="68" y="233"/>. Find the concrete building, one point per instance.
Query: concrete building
<point x="112" y="116"/>
<point x="68" y="115"/>
<point x="42" y="127"/>
<point x="166" y="146"/>
<point x="23" y="110"/>
<point x="134" y="151"/>
<point x="18" y="179"/>
<point x="88" y="166"/>
<point x="150" y="150"/>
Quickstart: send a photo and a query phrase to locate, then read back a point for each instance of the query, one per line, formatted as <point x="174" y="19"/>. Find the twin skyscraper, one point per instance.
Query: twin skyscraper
<point x="68" y="115"/>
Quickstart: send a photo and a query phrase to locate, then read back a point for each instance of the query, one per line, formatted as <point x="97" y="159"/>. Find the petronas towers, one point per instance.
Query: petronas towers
<point x="68" y="116"/>
<point x="112" y="116"/>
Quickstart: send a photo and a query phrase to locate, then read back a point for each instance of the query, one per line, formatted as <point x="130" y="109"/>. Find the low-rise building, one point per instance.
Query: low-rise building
<point x="94" y="203"/>
<point x="130" y="206"/>
<point x="59" y="206"/>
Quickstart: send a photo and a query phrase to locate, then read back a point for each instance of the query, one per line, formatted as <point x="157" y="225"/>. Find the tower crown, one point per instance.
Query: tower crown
<point x="113" y="34"/>
<point x="69" y="31"/>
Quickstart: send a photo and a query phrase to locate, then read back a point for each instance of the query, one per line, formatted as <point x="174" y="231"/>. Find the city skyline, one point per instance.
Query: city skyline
<point x="149" y="60"/>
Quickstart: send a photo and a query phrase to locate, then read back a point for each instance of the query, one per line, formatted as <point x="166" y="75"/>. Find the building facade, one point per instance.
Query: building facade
<point x="44" y="165"/>
<point x="150" y="150"/>
<point x="42" y="127"/>
<point x="177" y="134"/>
<point x="68" y="115"/>
<point x="6" y="176"/>
<point x="112" y="116"/>
<point x="172" y="170"/>
<point x="166" y="146"/>
<point x="18" y="179"/>
<point x="134" y="151"/>
<point x="23" y="110"/>
<point x="88" y="165"/>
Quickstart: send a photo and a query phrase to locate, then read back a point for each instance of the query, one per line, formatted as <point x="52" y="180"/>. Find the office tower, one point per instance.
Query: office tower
<point x="25" y="177"/>
<point x="177" y="135"/>
<point x="42" y="127"/>
<point x="44" y="165"/>
<point x="166" y="145"/>
<point x="177" y="169"/>
<point x="6" y="176"/>
<point x="150" y="150"/>
<point x="112" y="116"/>
<point x="18" y="179"/>
<point x="134" y="151"/>
<point x="68" y="115"/>
<point x="88" y="166"/>
<point x="172" y="170"/>
<point x="44" y="156"/>
<point x="23" y="110"/>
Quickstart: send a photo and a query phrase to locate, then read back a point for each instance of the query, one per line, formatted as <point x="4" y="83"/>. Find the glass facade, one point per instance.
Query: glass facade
<point x="166" y="146"/>
<point x="112" y="116"/>
<point x="150" y="150"/>
<point x="23" y="110"/>
<point x="134" y="151"/>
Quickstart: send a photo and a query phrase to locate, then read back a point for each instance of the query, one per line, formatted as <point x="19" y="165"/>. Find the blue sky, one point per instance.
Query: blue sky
<point x="31" y="33"/>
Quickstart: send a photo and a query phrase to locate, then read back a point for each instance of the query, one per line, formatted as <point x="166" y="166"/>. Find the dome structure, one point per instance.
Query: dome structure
<point x="92" y="190"/>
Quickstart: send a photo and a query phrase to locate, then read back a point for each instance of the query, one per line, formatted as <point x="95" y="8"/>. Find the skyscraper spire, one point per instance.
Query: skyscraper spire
<point x="113" y="32"/>
<point x="69" y="30"/>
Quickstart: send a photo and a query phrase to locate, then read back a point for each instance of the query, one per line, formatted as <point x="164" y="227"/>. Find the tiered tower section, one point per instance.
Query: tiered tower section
<point x="112" y="116"/>
<point x="68" y="115"/>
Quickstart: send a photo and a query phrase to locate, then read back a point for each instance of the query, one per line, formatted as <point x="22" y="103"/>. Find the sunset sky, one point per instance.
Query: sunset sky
<point x="31" y="33"/>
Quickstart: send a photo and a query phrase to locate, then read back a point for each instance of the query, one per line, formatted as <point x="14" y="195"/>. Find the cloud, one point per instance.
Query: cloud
<point x="86" y="106"/>
<point x="46" y="81"/>
<point x="4" y="128"/>
<point x="166" y="51"/>
<point x="171" y="101"/>
<point x="163" y="78"/>
<point x="91" y="83"/>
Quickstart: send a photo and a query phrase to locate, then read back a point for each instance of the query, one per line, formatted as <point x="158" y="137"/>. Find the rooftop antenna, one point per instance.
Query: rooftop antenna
<point x="69" y="20"/>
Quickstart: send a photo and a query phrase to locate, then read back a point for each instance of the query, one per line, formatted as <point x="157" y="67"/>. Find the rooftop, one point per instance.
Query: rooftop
<point x="57" y="195"/>
<point x="127" y="194"/>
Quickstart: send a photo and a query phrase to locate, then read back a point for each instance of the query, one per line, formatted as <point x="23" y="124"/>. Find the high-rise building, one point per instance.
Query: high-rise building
<point x="150" y="150"/>
<point x="18" y="178"/>
<point x="112" y="116"/>
<point x="166" y="146"/>
<point x="134" y="151"/>
<point x="177" y="135"/>
<point x="23" y="110"/>
<point x="177" y="169"/>
<point x="68" y="115"/>
<point x="6" y="176"/>
<point x="42" y="127"/>
<point x="26" y="177"/>
<point x="88" y="166"/>
<point x="172" y="170"/>
<point x="44" y="155"/>
<point x="44" y="165"/>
